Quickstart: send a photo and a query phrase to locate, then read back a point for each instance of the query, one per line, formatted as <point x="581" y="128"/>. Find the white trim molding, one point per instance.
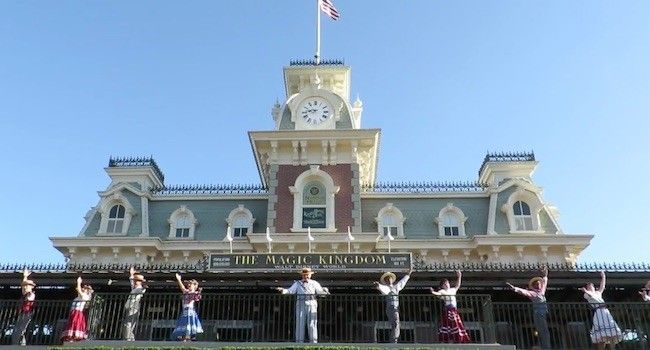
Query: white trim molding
<point x="248" y="218"/>
<point x="105" y="206"/>
<point x="389" y="209"/>
<point x="314" y="174"/>
<point x="451" y="209"/>
<point x="533" y="202"/>
<point x="178" y="214"/>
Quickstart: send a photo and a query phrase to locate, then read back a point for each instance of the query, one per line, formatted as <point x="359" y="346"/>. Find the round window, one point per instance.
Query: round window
<point x="314" y="191"/>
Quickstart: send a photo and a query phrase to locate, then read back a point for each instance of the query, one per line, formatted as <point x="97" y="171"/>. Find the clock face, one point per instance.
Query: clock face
<point x="315" y="110"/>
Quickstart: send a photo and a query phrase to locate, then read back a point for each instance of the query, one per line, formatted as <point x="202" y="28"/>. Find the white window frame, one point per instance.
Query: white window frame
<point x="534" y="204"/>
<point x="314" y="174"/>
<point x="451" y="209"/>
<point x="390" y="209"/>
<point x="240" y="211"/>
<point x="173" y="220"/>
<point x="105" y="207"/>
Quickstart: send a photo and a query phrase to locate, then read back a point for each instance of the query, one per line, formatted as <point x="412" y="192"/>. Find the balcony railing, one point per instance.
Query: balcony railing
<point x="341" y="319"/>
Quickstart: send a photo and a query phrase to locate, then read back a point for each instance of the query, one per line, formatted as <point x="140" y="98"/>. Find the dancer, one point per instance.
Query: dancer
<point x="604" y="330"/>
<point x="645" y="292"/>
<point x="386" y="287"/>
<point x="536" y="292"/>
<point x="132" y="305"/>
<point x="451" y="328"/>
<point x="26" y="310"/>
<point x="76" y="328"/>
<point x="188" y="324"/>
<point x="306" y="304"/>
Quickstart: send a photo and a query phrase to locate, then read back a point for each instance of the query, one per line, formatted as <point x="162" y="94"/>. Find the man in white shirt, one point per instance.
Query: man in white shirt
<point x="386" y="287"/>
<point x="306" y="304"/>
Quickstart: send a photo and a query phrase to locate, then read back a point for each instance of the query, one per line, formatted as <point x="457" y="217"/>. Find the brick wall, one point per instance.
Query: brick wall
<point x="287" y="175"/>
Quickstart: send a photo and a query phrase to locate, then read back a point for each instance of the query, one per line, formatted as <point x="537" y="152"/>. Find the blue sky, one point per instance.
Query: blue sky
<point x="184" y="82"/>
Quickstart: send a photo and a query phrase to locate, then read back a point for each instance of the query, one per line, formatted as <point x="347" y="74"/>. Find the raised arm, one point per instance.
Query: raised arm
<point x="521" y="291"/>
<point x="25" y="275"/>
<point x="79" y="290"/>
<point x="402" y="282"/>
<point x="180" y="283"/>
<point x="131" y="274"/>
<point x="601" y="288"/>
<point x="459" y="276"/>
<point x="544" y="279"/>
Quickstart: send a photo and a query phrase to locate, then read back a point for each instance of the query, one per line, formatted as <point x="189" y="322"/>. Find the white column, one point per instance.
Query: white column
<point x="144" y="203"/>
<point x="492" y="211"/>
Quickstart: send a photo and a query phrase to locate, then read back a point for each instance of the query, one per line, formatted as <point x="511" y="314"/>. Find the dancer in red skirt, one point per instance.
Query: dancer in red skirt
<point x="76" y="328"/>
<point x="451" y="328"/>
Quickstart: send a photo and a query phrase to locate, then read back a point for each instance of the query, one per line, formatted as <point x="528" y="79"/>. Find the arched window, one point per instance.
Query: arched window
<point x="390" y="219"/>
<point x="451" y="221"/>
<point x="451" y="224"/>
<point x="116" y="213"/>
<point x="182" y="223"/>
<point x="523" y="218"/>
<point x="389" y="224"/>
<point x="522" y="210"/>
<point x="241" y="221"/>
<point x="116" y="219"/>
<point x="314" y="205"/>
<point x="313" y="201"/>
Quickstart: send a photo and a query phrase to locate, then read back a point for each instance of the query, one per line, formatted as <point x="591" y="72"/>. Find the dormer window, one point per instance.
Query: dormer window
<point x="523" y="219"/>
<point x="522" y="210"/>
<point x="116" y="213"/>
<point x="390" y="219"/>
<point x="241" y="221"/>
<point x="116" y="219"/>
<point x="182" y="224"/>
<point x="451" y="221"/>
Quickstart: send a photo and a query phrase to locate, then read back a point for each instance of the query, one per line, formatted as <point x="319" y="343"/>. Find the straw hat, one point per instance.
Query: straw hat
<point x="28" y="283"/>
<point x="387" y="275"/>
<point x="533" y="280"/>
<point x="306" y="271"/>
<point x="139" y="277"/>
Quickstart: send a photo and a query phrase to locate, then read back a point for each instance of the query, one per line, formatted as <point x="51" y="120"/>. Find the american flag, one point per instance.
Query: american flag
<point x="328" y="7"/>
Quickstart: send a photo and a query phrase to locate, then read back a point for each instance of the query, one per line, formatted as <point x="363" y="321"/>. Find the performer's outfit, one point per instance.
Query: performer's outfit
<point x="604" y="328"/>
<point x="451" y="328"/>
<point x="76" y="328"/>
<point x="540" y="311"/>
<point x="646" y="297"/>
<point x="24" y="317"/>
<point x="132" y="311"/>
<point x="392" y="305"/>
<point x="306" y="308"/>
<point x="188" y="324"/>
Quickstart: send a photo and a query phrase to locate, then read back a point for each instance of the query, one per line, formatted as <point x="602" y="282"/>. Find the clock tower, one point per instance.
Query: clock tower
<point x="317" y="159"/>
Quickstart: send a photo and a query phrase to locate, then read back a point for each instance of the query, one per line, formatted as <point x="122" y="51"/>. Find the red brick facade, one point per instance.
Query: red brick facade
<point x="287" y="175"/>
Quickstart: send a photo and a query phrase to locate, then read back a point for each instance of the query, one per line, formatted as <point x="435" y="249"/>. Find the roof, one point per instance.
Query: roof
<point x="501" y="157"/>
<point x="126" y="162"/>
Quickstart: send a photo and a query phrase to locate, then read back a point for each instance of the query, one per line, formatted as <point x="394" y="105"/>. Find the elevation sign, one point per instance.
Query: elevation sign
<point x="323" y="261"/>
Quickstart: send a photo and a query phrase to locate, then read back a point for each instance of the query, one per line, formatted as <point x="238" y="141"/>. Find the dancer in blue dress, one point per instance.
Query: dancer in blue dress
<point x="188" y="324"/>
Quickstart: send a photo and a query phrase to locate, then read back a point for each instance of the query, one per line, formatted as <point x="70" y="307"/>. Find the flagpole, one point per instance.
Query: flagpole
<point x="317" y="32"/>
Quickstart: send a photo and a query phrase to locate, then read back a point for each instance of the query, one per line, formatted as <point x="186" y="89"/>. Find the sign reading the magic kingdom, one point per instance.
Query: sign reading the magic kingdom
<point x="317" y="261"/>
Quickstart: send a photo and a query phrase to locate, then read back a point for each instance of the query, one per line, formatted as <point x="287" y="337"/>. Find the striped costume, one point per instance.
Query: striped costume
<point x="451" y="328"/>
